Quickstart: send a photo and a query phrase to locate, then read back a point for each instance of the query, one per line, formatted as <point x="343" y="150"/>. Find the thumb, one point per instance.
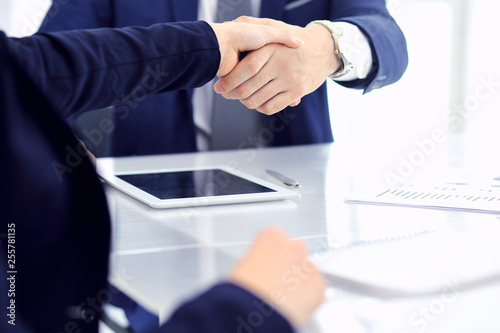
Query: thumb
<point x="263" y="21"/>
<point x="255" y="20"/>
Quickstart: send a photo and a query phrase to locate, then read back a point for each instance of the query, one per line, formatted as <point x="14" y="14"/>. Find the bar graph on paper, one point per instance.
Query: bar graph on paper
<point x="458" y="196"/>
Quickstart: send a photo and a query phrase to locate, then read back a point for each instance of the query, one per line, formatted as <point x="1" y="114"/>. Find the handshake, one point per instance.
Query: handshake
<point x="286" y="63"/>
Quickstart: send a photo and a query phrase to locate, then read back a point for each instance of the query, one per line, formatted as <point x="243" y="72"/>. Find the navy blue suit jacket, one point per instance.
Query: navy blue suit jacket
<point x="164" y="123"/>
<point x="54" y="223"/>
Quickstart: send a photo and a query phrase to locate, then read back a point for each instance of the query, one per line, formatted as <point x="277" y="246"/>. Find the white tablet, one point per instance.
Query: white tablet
<point x="173" y="188"/>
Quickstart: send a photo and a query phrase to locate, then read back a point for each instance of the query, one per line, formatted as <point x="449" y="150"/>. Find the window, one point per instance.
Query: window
<point x="452" y="85"/>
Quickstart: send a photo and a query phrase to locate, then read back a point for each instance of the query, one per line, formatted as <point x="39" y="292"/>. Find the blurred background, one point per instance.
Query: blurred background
<point x="452" y="86"/>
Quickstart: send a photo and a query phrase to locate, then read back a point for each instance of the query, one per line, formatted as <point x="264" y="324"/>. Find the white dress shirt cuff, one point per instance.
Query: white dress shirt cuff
<point x="360" y="52"/>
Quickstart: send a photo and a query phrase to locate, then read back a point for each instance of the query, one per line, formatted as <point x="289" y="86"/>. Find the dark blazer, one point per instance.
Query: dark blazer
<point x="164" y="123"/>
<point x="53" y="211"/>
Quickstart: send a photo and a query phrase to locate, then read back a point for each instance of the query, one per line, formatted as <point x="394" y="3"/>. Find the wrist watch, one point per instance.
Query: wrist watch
<point x="337" y="32"/>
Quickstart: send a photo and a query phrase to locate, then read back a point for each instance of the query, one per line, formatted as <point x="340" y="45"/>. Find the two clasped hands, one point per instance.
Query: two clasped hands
<point x="287" y="62"/>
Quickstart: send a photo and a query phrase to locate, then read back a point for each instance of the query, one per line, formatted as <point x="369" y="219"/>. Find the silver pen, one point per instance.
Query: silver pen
<point x="284" y="179"/>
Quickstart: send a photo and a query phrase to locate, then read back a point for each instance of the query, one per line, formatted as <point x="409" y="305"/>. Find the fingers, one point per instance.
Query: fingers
<point x="267" y="100"/>
<point x="273" y="76"/>
<point x="272" y="35"/>
<point x="265" y="93"/>
<point x="245" y="70"/>
<point x="253" y="81"/>
<point x="276" y="104"/>
<point x="270" y="23"/>
<point x="256" y="20"/>
<point x="235" y="38"/>
<point x="265" y="21"/>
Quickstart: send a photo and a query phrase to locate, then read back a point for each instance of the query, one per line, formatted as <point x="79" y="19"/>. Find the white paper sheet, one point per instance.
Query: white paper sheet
<point x="459" y="196"/>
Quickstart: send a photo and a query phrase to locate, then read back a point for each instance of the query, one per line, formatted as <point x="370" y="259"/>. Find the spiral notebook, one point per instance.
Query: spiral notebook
<point x="421" y="264"/>
<point x="458" y="196"/>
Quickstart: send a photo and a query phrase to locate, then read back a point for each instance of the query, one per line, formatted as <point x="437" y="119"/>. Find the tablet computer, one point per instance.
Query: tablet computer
<point x="189" y="187"/>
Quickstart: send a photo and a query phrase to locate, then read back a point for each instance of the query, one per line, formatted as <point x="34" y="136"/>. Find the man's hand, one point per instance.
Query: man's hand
<point x="235" y="38"/>
<point x="277" y="270"/>
<point x="275" y="76"/>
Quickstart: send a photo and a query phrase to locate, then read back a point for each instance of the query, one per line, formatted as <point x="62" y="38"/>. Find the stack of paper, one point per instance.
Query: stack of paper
<point x="452" y="196"/>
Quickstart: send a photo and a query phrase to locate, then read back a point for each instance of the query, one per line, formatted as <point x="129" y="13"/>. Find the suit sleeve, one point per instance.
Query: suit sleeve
<point x="226" y="308"/>
<point x="89" y="69"/>
<point x="387" y="41"/>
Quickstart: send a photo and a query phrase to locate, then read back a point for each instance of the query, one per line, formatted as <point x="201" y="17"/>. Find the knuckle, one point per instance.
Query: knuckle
<point x="267" y="108"/>
<point x="222" y="84"/>
<point x="243" y="18"/>
<point x="250" y="103"/>
<point x="228" y="95"/>
<point x="288" y="34"/>
<point x="242" y="91"/>
<point x="254" y="63"/>
<point x="301" y="88"/>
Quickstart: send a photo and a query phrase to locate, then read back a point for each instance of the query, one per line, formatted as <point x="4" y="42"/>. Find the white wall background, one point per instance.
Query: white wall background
<point x="5" y="15"/>
<point x="450" y="57"/>
<point x="24" y="16"/>
<point x="389" y="123"/>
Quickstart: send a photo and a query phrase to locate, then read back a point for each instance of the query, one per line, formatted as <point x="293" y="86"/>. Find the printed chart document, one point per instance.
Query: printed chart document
<point x="428" y="263"/>
<point x="460" y="196"/>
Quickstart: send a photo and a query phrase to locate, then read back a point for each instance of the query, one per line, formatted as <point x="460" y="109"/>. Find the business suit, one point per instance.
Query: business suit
<point x="150" y="129"/>
<point x="55" y="202"/>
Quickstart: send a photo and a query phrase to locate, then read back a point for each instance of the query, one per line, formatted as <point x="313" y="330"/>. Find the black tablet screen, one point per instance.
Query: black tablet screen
<point x="192" y="184"/>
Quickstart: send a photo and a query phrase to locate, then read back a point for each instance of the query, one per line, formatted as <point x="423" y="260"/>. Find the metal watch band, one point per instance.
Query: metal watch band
<point x="337" y="32"/>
